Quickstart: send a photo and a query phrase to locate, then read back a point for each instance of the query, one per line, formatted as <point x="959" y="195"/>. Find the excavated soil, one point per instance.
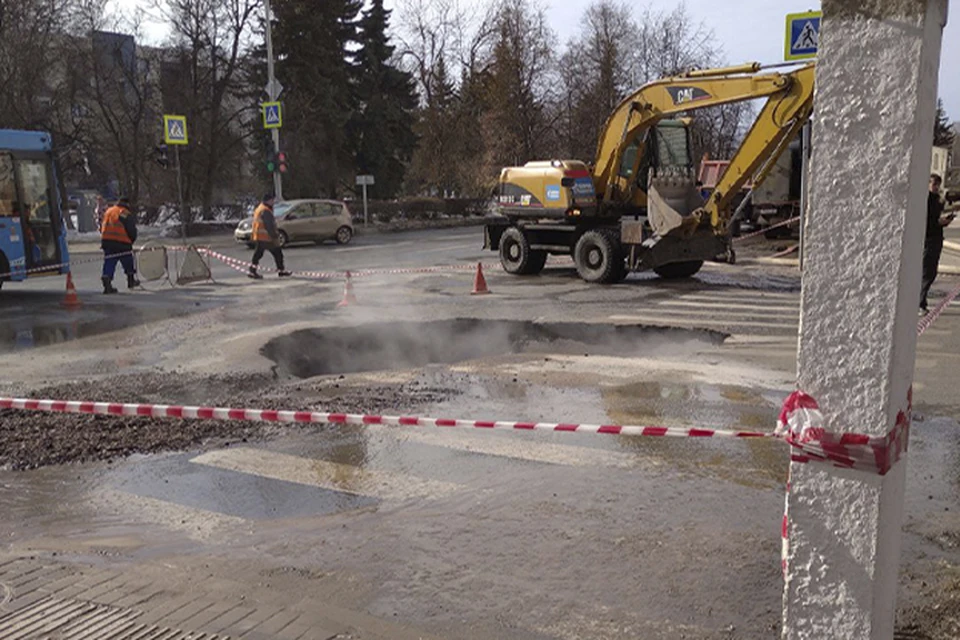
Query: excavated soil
<point x="31" y="439"/>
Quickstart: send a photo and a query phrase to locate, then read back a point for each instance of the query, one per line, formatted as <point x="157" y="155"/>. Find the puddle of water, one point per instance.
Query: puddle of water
<point x="754" y="463"/>
<point x="178" y="480"/>
<point x="401" y="345"/>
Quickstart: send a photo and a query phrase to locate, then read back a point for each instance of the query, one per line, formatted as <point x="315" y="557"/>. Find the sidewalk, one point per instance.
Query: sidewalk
<point x="60" y="598"/>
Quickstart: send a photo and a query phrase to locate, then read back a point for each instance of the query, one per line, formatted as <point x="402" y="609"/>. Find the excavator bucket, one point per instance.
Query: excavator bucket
<point x="673" y="205"/>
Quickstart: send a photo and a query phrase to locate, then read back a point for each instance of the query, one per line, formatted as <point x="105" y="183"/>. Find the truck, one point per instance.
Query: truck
<point x="33" y="237"/>
<point x="636" y="205"/>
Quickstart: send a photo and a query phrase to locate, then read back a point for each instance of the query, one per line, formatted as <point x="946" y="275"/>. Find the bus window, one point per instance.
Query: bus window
<point x="38" y="209"/>
<point x="8" y="187"/>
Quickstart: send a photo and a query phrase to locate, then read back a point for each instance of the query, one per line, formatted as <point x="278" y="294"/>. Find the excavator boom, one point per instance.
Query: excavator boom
<point x="789" y="97"/>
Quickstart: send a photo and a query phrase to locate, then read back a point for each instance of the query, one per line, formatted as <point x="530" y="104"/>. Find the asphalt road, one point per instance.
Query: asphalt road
<point x="376" y="532"/>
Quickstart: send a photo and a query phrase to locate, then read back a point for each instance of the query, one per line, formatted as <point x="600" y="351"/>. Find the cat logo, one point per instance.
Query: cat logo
<point x="683" y="95"/>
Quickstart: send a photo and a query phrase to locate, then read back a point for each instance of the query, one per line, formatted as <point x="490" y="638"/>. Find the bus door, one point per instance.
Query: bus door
<point x="37" y="208"/>
<point x="11" y="231"/>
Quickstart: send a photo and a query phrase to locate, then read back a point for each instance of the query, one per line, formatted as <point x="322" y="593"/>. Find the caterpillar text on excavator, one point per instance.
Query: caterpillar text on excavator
<point x="636" y="206"/>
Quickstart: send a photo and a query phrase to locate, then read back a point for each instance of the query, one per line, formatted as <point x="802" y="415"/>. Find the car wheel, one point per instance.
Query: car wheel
<point x="251" y="245"/>
<point x="284" y="239"/>
<point x="344" y="235"/>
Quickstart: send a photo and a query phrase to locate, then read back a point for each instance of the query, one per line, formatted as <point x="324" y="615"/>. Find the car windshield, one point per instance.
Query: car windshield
<point x="281" y="209"/>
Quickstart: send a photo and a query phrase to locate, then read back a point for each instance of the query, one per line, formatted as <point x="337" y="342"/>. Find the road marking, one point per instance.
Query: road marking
<point x="373" y="246"/>
<point x="525" y="449"/>
<point x="473" y="245"/>
<point x="660" y="320"/>
<point x="199" y="524"/>
<point x="326" y="475"/>
<point x="734" y="308"/>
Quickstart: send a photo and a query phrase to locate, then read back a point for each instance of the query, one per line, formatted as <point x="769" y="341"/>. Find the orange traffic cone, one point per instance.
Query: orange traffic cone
<point x="479" y="282"/>
<point x="71" y="301"/>
<point x="348" y="297"/>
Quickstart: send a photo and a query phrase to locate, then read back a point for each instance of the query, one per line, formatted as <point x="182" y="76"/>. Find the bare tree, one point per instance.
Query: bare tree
<point x="30" y="34"/>
<point x="597" y="73"/>
<point x="204" y="79"/>
<point x="112" y="99"/>
<point x="518" y="124"/>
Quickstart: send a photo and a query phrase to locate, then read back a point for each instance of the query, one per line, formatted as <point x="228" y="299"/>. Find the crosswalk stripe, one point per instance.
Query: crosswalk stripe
<point x="528" y="450"/>
<point x="196" y="523"/>
<point x="661" y="320"/>
<point x="737" y="309"/>
<point x="742" y="294"/>
<point x="323" y="474"/>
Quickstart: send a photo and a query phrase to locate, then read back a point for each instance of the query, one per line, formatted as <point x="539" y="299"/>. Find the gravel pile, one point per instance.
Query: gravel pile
<point x="30" y="439"/>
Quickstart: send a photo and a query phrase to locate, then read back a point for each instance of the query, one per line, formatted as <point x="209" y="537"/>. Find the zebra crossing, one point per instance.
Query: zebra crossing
<point x="723" y="309"/>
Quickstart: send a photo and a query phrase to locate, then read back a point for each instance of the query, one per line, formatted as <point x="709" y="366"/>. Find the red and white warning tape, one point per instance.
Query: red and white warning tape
<point x="260" y="415"/>
<point x="800" y="426"/>
<point x="766" y="229"/>
<point x="927" y="320"/>
<point x="242" y="265"/>
<point x="62" y="265"/>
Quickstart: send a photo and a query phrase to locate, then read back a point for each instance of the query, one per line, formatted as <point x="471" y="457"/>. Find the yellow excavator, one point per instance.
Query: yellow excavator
<point x="637" y="206"/>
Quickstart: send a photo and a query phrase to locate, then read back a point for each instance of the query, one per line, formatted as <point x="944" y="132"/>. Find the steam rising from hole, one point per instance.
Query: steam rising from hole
<point x="402" y="345"/>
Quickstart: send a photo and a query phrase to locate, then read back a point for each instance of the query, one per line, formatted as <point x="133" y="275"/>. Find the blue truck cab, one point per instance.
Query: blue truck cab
<point x="33" y="237"/>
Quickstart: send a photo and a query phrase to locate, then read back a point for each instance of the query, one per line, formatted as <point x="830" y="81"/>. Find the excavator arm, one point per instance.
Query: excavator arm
<point x="789" y="103"/>
<point x="778" y="123"/>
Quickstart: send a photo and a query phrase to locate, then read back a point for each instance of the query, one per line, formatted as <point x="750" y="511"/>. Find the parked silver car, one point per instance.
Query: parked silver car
<point x="305" y="221"/>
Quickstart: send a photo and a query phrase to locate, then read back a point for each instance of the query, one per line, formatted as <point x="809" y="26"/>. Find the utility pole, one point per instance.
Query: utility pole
<point x="273" y="91"/>
<point x="858" y="326"/>
<point x="183" y="209"/>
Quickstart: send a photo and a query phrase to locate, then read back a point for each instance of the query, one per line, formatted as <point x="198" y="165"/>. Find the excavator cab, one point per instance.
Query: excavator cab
<point x="662" y="181"/>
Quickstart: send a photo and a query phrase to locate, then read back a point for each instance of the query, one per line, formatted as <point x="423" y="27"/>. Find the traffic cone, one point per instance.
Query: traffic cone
<point x="479" y="282"/>
<point x="71" y="301"/>
<point x="348" y="297"/>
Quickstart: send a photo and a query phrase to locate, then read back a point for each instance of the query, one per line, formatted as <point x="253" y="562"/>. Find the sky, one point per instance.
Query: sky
<point x="747" y="30"/>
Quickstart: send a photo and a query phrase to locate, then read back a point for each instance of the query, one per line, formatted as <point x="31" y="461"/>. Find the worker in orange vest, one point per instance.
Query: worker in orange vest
<point x="118" y="232"/>
<point x="266" y="237"/>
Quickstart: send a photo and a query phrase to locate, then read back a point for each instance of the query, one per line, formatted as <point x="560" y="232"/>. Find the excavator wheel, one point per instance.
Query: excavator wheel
<point x="676" y="270"/>
<point x="517" y="257"/>
<point x="599" y="257"/>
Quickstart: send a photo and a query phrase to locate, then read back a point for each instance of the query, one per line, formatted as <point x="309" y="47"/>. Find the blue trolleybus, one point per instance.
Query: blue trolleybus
<point x="33" y="237"/>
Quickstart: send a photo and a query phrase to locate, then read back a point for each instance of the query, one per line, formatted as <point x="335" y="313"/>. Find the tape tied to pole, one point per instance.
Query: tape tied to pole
<point x="801" y="425"/>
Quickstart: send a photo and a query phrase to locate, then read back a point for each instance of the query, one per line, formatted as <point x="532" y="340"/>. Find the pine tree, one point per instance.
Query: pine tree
<point x="382" y="126"/>
<point x="313" y="44"/>
<point x="943" y="135"/>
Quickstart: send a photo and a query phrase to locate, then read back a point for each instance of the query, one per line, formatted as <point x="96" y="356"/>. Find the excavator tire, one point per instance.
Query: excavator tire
<point x="517" y="257"/>
<point x="677" y="270"/>
<point x="599" y="257"/>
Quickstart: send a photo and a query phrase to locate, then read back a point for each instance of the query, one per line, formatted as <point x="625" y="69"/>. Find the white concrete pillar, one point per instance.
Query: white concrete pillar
<point x="873" y="122"/>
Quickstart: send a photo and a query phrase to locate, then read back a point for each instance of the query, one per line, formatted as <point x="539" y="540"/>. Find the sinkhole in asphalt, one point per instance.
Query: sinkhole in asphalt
<point x="402" y="345"/>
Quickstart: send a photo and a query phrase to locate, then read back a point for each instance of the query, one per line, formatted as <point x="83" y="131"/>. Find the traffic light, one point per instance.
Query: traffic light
<point x="282" y="162"/>
<point x="271" y="161"/>
<point x="160" y="155"/>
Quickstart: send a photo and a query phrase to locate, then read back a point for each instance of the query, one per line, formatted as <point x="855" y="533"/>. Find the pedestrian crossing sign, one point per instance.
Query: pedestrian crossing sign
<point x="175" y="129"/>
<point x="272" y="116"/>
<point x="803" y="35"/>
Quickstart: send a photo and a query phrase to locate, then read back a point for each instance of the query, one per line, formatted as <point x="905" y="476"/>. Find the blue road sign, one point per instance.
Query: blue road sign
<point x="175" y="129"/>
<point x="802" y="36"/>
<point x="272" y="116"/>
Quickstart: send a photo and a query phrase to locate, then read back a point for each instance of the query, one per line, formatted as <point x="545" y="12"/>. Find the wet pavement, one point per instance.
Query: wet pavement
<point x="449" y="533"/>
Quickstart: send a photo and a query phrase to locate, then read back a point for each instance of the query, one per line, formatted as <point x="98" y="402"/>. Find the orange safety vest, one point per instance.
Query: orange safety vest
<point x="112" y="227"/>
<point x="259" y="232"/>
